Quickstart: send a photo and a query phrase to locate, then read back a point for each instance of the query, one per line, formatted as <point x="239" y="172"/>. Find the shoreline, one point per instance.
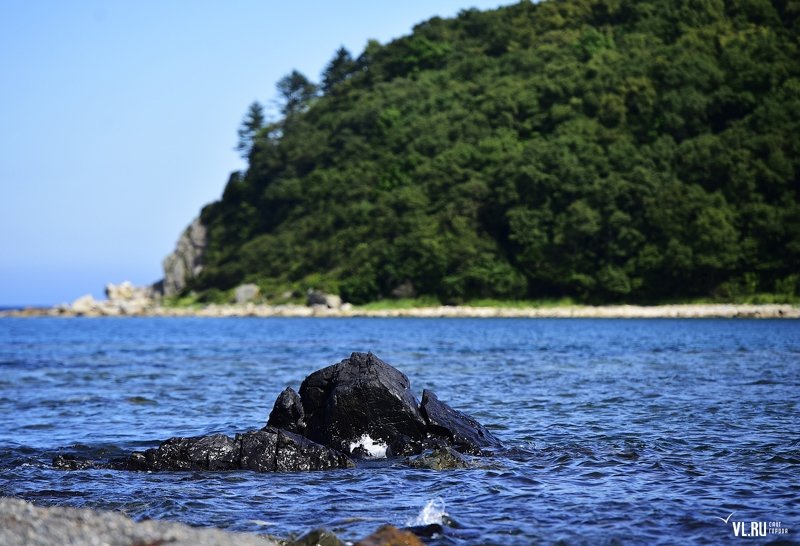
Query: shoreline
<point x="721" y="310"/>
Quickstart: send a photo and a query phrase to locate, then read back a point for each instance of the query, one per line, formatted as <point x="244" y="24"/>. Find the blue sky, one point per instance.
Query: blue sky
<point x="119" y="120"/>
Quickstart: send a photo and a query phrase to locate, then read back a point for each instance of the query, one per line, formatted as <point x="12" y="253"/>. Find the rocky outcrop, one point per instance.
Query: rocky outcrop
<point x="360" y="407"/>
<point x="246" y="293"/>
<point x="127" y="292"/>
<point x="122" y="299"/>
<point x="361" y="396"/>
<point x="315" y="298"/>
<point x="187" y="260"/>
<point x="362" y="402"/>
<point x="84" y="304"/>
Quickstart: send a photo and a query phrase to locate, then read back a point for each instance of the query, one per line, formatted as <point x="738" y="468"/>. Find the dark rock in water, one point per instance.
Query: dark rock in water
<point x="287" y="413"/>
<point x="403" y="445"/>
<point x="259" y="450"/>
<point x="361" y="395"/>
<point x="266" y="450"/>
<point x="427" y="531"/>
<point x="296" y="453"/>
<point x="388" y="535"/>
<point x="462" y="431"/>
<point x="353" y="405"/>
<point x="72" y="462"/>
<point x="318" y="537"/>
<point x="215" y="452"/>
<point x="441" y="458"/>
<point x="275" y="450"/>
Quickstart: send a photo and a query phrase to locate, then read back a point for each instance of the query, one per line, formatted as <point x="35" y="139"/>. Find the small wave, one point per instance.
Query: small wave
<point x="432" y="513"/>
<point x="38" y="426"/>
<point x="140" y="400"/>
<point x="261" y="523"/>
<point x="375" y="450"/>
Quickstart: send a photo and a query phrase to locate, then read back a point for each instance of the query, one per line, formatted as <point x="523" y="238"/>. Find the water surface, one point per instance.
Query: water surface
<point x="617" y="431"/>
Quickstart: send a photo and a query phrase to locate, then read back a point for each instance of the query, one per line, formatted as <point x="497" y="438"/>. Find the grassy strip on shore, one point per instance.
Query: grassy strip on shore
<point x="426" y="302"/>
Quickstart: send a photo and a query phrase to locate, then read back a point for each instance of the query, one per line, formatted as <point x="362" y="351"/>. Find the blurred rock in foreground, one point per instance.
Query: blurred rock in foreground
<point x="23" y="524"/>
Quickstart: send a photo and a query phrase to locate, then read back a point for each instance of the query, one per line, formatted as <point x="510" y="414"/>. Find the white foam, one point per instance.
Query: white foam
<point x="432" y="512"/>
<point x="376" y="450"/>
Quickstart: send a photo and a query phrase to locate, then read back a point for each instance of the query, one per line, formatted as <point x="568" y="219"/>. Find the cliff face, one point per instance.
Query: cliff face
<point x="187" y="260"/>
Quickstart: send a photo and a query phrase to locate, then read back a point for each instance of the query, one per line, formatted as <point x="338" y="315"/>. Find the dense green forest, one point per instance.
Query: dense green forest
<point x="600" y="150"/>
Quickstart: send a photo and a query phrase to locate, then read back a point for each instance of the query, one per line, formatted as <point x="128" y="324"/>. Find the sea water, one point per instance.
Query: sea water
<point x="615" y="431"/>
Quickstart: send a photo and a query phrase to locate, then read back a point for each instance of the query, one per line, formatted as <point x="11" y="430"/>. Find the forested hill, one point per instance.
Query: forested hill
<point x="604" y="150"/>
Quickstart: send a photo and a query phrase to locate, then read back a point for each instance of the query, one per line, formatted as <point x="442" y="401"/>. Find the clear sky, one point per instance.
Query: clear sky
<point x="118" y="120"/>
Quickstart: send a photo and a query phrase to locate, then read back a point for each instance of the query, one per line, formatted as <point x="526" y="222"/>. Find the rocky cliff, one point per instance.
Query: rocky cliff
<point x="186" y="261"/>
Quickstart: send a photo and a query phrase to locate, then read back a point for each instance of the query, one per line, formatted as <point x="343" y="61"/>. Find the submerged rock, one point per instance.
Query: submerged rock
<point x="317" y="537"/>
<point x="441" y="458"/>
<point x="72" y="462"/>
<point x="361" y="396"/>
<point x="389" y="535"/>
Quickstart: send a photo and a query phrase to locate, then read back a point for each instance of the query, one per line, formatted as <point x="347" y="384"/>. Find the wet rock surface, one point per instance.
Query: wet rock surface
<point x="462" y="431"/>
<point x="287" y="413"/>
<point x="266" y="450"/>
<point x="361" y="395"/>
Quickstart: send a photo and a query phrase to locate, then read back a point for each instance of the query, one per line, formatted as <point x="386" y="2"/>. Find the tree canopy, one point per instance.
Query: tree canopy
<point x="603" y="150"/>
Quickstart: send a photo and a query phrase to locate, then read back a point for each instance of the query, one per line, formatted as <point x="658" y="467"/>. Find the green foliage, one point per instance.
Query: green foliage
<point x="296" y="91"/>
<point x="598" y="150"/>
<point x="339" y="69"/>
<point x="251" y="126"/>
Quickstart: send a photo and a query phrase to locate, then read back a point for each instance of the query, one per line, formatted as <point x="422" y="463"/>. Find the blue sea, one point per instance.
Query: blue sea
<point x="616" y="431"/>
